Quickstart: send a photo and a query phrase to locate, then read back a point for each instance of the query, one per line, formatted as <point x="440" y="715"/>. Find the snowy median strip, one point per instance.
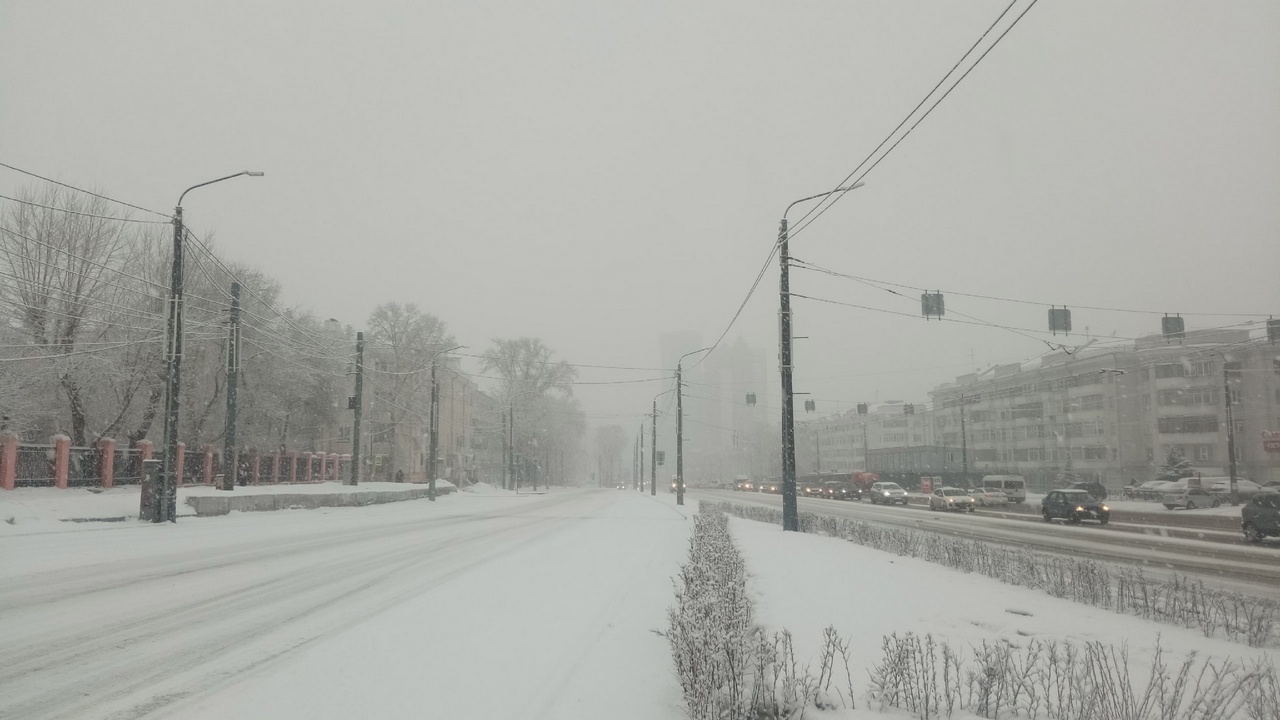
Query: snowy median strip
<point x="730" y="666"/>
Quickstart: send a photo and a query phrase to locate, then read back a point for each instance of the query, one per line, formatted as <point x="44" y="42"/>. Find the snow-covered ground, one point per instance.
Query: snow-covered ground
<point x="25" y="510"/>
<point x="483" y="605"/>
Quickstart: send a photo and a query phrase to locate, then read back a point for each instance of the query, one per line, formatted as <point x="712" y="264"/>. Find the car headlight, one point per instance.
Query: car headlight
<point x="1079" y="508"/>
<point x="1106" y="509"/>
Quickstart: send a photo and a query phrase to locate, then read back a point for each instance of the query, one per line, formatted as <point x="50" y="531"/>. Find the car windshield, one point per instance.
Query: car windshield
<point x="890" y="486"/>
<point x="953" y="491"/>
<point x="1078" y="496"/>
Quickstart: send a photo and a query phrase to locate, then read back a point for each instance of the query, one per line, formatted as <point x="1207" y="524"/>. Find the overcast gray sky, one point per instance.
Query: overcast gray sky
<point x="595" y="173"/>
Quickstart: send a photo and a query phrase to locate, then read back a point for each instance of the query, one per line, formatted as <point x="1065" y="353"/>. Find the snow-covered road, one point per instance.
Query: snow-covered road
<point x="475" y="606"/>
<point x="1254" y="570"/>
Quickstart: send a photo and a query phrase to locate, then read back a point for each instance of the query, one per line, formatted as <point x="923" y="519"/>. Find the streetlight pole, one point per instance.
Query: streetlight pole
<point x="790" y="511"/>
<point x="164" y="503"/>
<point x="680" y="426"/>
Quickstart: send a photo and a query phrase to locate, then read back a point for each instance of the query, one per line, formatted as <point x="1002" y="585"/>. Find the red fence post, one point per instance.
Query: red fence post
<point x="275" y="469"/>
<point x="293" y="466"/>
<point x="145" y="449"/>
<point x="61" y="460"/>
<point x="182" y="455"/>
<point x="8" y="459"/>
<point x="107" y="448"/>
<point x="334" y="458"/>
<point x="208" y="465"/>
<point x="308" y="457"/>
<point x="257" y="465"/>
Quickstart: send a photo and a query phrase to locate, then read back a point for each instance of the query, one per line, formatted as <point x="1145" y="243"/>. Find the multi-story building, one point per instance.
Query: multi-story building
<point x="852" y="442"/>
<point x="1112" y="414"/>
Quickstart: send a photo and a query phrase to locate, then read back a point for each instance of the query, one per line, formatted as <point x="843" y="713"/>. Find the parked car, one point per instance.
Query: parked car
<point x="1191" y="498"/>
<point x="744" y="486"/>
<point x="1014" y="486"/>
<point x="841" y="490"/>
<point x="1098" y="490"/>
<point x="1149" y="490"/>
<point x="1260" y="518"/>
<point x="1073" y="506"/>
<point x="986" y="497"/>
<point x="1222" y="486"/>
<point x="887" y="493"/>
<point x="951" y="498"/>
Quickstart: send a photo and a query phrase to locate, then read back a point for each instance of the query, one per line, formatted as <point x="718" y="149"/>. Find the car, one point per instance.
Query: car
<point x="840" y="490"/>
<point x="887" y="493"/>
<point x="1149" y="490"/>
<point x="986" y="497"/>
<point x="773" y="488"/>
<point x="1191" y="498"/>
<point x="673" y="484"/>
<point x="812" y="488"/>
<point x="1074" y="506"/>
<point x="951" y="498"/>
<point x="622" y="486"/>
<point x="1015" y="486"/>
<point x="1222" y="486"/>
<point x="1098" y="490"/>
<point x="1260" y="517"/>
<point x="743" y="486"/>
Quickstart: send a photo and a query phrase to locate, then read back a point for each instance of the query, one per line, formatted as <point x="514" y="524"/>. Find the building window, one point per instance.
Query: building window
<point x="1201" y="369"/>
<point x="1188" y="424"/>
<point x="1203" y="453"/>
<point x="1168" y="370"/>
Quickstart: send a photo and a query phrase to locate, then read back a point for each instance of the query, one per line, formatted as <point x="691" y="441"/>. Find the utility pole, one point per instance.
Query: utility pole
<point x="641" y="476"/>
<point x="790" y="510"/>
<point x="511" y="441"/>
<point x="653" y="452"/>
<point x="357" y="403"/>
<point x="229" y="465"/>
<point x="506" y="459"/>
<point x="1231" y="434"/>
<point x="434" y="423"/>
<point x="679" y="439"/>
<point x="964" y="444"/>
<point x="167" y="497"/>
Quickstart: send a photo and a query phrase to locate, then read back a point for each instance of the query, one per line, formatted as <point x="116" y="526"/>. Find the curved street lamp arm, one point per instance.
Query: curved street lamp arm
<point x="251" y="173"/>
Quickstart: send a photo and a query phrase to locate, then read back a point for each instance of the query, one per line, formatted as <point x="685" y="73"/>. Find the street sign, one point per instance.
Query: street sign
<point x="662" y="457"/>
<point x="1271" y="441"/>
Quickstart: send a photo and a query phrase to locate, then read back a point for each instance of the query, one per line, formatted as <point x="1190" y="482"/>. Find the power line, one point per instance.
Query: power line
<point x="763" y="269"/>
<point x="833" y="199"/>
<point x="86" y="192"/>
<point x="872" y="282"/>
<point x="85" y="214"/>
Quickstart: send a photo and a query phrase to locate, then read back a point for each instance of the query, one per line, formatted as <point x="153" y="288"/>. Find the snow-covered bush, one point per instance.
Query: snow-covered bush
<point x="1064" y="681"/>
<point x="727" y="667"/>
<point x="1176" y="601"/>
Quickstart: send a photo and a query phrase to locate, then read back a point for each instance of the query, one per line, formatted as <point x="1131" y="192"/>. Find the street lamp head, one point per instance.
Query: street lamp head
<point x="254" y="173"/>
<point x="854" y="186"/>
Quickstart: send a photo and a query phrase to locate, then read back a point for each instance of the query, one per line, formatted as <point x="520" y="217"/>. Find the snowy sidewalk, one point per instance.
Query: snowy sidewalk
<point x="52" y="509"/>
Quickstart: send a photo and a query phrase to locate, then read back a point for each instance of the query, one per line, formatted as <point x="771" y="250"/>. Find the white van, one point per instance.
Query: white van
<point x="1014" y="486"/>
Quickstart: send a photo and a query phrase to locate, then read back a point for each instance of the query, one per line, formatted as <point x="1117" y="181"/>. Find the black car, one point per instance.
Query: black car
<point x="1097" y="490"/>
<point x="1073" y="506"/>
<point x="837" y="490"/>
<point x="1261" y="517"/>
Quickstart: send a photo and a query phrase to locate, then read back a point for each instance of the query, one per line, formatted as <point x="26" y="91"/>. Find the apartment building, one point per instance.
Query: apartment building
<point x="1111" y="414"/>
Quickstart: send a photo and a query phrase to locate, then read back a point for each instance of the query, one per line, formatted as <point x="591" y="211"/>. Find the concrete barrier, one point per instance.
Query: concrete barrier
<point x="208" y="505"/>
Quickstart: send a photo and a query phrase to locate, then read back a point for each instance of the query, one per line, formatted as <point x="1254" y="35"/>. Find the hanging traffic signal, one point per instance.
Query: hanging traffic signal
<point x="862" y="408"/>
<point x="1273" y="330"/>
<point x="810" y="406"/>
<point x="1174" y="328"/>
<point x="751" y="399"/>
<point x="932" y="305"/>
<point x="1059" y="320"/>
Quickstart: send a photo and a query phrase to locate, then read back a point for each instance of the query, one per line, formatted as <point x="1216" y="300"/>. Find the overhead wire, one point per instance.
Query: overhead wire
<point x="86" y="192"/>
<point x="829" y="201"/>
<point x="84" y="214"/>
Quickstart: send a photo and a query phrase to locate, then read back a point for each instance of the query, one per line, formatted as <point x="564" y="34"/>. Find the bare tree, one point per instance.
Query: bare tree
<point x="63" y="259"/>
<point x="403" y="344"/>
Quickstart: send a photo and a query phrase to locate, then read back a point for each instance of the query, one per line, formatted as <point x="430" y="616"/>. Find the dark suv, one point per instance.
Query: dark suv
<point x="1073" y="506"/>
<point x="1261" y="517"/>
